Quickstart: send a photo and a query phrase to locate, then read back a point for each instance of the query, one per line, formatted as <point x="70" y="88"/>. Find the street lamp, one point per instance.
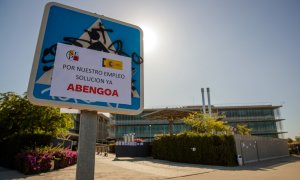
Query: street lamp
<point x="150" y="132"/>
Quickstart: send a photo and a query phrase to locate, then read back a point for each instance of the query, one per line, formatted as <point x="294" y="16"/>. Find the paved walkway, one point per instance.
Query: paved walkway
<point x="148" y="168"/>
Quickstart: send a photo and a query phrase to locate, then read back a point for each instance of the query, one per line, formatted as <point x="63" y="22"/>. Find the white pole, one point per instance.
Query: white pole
<point x="203" y="100"/>
<point x="86" y="146"/>
<point x="208" y="101"/>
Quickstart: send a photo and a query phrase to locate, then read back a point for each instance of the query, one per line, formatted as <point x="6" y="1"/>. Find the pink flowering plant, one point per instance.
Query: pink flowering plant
<point x="39" y="160"/>
<point x="64" y="158"/>
<point x="138" y="140"/>
<point x="33" y="162"/>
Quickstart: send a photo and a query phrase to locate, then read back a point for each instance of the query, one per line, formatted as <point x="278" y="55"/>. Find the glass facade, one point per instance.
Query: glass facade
<point x="143" y="127"/>
<point x="263" y="120"/>
<point x="248" y="114"/>
<point x="147" y="131"/>
<point x="76" y="122"/>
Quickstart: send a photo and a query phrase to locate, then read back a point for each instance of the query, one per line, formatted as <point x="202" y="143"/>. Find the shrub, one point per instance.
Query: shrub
<point x="112" y="148"/>
<point x="33" y="162"/>
<point x="294" y="148"/>
<point x="13" y="145"/>
<point x="39" y="160"/>
<point x="64" y="158"/>
<point x="192" y="147"/>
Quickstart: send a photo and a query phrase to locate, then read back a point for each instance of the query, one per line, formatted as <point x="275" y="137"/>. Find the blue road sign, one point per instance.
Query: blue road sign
<point x="67" y="25"/>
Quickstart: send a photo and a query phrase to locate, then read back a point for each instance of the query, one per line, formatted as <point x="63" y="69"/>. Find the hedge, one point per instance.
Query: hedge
<point x="208" y="149"/>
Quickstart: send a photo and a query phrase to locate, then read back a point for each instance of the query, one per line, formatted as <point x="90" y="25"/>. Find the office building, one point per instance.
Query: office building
<point x="264" y="120"/>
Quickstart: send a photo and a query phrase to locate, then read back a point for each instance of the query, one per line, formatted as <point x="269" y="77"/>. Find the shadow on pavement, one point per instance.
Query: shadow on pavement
<point x="6" y="174"/>
<point x="271" y="164"/>
<point x="261" y="165"/>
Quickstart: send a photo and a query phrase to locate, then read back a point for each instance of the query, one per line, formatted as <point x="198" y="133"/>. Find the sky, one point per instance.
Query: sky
<point x="246" y="52"/>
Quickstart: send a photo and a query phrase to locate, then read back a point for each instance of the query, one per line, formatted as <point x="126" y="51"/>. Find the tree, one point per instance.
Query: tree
<point x="297" y="138"/>
<point x="243" y="129"/>
<point x="202" y="123"/>
<point x="19" y="116"/>
<point x="290" y="140"/>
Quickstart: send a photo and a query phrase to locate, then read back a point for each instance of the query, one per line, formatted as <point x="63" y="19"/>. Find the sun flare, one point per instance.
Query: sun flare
<point x="150" y="39"/>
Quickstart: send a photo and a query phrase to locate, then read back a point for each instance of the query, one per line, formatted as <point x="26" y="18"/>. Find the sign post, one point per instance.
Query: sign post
<point x="86" y="147"/>
<point x="89" y="62"/>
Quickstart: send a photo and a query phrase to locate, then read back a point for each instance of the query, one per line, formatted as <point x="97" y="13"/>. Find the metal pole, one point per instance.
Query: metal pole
<point x="208" y="100"/>
<point x="86" y="146"/>
<point x="203" y="100"/>
<point x="150" y="132"/>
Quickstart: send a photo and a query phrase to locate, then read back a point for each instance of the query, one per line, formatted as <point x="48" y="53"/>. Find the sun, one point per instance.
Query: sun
<point x="150" y="39"/>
